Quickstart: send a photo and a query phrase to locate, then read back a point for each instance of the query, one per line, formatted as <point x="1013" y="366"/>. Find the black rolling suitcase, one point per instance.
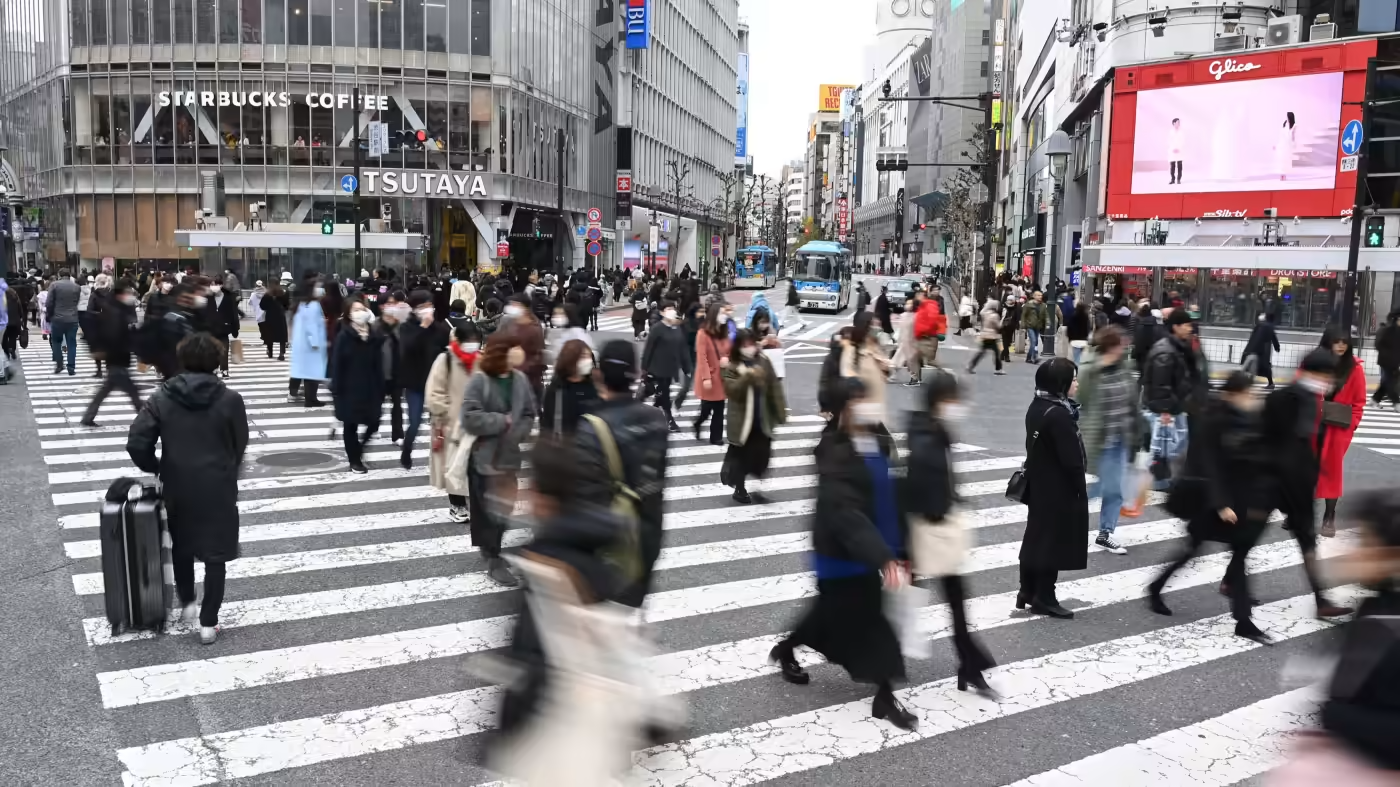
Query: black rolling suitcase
<point x="135" y="552"/>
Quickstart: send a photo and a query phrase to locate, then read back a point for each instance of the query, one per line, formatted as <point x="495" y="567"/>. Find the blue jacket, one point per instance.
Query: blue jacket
<point x="761" y="302"/>
<point x="309" y="350"/>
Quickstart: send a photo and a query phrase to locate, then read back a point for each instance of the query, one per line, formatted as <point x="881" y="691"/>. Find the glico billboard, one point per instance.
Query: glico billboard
<point x="1235" y="134"/>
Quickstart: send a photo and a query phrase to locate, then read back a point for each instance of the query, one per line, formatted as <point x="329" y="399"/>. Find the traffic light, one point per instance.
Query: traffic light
<point x="421" y="136"/>
<point x="1375" y="232"/>
<point x="327" y="224"/>
<point x="885" y="88"/>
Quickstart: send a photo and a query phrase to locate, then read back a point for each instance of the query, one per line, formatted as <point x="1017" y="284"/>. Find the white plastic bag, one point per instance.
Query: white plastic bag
<point x="903" y="608"/>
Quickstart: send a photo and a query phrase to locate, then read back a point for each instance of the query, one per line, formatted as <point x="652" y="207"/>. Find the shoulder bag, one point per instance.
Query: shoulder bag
<point x="1336" y="414"/>
<point x="1016" y="487"/>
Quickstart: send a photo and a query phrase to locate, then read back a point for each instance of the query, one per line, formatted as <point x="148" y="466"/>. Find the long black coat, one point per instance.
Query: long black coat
<point x="1058" y="521"/>
<point x="1262" y="343"/>
<point x="273" y="328"/>
<point x="202" y="428"/>
<point x="222" y="319"/>
<point x="928" y="489"/>
<point x="665" y="354"/>
<point x="844" y="526"/>
<point x="1227" y="455"/>
<point x="357" y="376"/>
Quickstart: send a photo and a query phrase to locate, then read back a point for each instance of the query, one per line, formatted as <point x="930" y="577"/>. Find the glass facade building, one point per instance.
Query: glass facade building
<point x="113" y="111"/>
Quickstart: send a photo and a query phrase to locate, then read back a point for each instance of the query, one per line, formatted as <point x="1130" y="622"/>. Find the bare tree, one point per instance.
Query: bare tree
<point x="964" y="212"/>
<point x="679" y="194"/>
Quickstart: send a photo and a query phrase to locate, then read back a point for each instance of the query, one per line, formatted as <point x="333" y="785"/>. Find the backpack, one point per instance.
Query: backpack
<point x="626" y="555"/>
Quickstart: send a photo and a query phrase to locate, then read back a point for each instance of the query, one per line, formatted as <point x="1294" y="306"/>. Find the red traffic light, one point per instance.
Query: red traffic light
<point x="923" y="226"/>
<point x="422" y="135"/>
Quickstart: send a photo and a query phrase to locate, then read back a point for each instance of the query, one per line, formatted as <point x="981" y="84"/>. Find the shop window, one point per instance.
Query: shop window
<point x="459" y="28"/>
<point x="413" y="24"/>
<point x="435" y="20"/>
<point x="160" y="21"/>
<point x="344" y="23"/>
<point x="321" y="22"/>
<point x="459" y="129"/>
<point x="1323" y="297"/>
<point x="252" y="21"/>
<point x="140" y="22"/>
<point x="1230" y="298"/>
<point x="184" y="21"/>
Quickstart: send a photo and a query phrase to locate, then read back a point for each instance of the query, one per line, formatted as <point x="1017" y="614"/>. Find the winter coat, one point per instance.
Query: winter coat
<point x="927" y="489"/>
<point x="1336" y="440"/>
<point x="62" y="303"/>
<point x="255" y="309"/>
<point x="484" y="413"/>
<point x="357" y="376"/>
<point x="866" y="363"/>
<point x="447" y="386"/>
<point x="1091" y="413"/>
<point x="1056" y="494"/>
<point x="1227" y="456"/>
<point x="565" y="402"/>
<point x="640" y="305"/>
<point x="1263" y="341"/>
<point x="991" y="325"/>
<point x="273" y="328"/>
<point x="1149" y="331"/>
<point x="1292" y="417"/>
<point x="1035" y="316"/>
<point x="309" y="345"/>
<point x="527" y="331"/>
<point x="665" y="354"/>
<point x="202" y="428"/>
<point x="1170" y="375"/>
<point x="115" y="333"/>
<point x="1388" y="346"/>
<point x="709" y="350"/>
<point x="759" y="387"/>
<point x="221" y="316"/>
<point x="760" y="303"/>
<point x="844" y="526"/>
<point x="1078" y="326"/>
<point x="420" y="348"/>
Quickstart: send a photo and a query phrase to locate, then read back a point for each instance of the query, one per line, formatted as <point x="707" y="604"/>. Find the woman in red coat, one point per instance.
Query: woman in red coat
<point x="1349" y="390"/>
<point x="711" y="355"/>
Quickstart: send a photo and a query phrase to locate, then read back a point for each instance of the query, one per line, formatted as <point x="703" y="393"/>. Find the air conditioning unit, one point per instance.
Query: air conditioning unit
<point x="1284" y="31"/>
<point x="1322" y="32"/>
<point x="1231" y="43"/>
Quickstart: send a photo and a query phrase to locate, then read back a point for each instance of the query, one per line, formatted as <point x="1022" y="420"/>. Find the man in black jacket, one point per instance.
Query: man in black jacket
<point x="666" y="358"/>
<point x="115" y="331"/>
<point x="422" y="338"/>
<point x="221" y="318"/>
<point x="1259" y="350"/>
<point x="1174" y="379"/>
<point x="1387" y="358"/>
<point x="642" y="441"/>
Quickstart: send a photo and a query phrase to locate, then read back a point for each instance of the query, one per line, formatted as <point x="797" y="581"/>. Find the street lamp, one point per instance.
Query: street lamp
<point x="1057" y="149"/>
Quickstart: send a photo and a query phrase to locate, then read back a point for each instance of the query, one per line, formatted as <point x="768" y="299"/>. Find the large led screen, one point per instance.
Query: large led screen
<point x="1277" y="134"/>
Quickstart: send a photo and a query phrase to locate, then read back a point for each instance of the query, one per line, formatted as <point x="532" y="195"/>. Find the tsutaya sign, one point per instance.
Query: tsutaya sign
<point x="409" y="183"/>
<point x="269" y="98"/>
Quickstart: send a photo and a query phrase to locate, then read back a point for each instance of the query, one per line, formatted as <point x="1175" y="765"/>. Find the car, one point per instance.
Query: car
<point x="898" y="291"/>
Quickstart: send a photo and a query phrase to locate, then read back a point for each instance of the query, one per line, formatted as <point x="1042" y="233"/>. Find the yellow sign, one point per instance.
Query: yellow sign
<point x="829" y="97"/>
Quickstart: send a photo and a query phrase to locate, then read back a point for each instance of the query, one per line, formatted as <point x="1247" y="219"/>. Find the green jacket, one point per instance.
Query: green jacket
<point x="1035" y="316"/>
<point x="1091" y="407"/>
<point x="743" y="390"/>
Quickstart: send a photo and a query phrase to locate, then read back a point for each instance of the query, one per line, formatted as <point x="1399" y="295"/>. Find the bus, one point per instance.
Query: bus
<point x="756" y="267"/>
<point x="821" y="272"/>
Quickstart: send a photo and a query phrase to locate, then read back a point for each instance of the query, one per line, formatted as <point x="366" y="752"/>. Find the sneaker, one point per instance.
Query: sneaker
<point x="459" y="514"/>
<point x="499" y="573"/>
<point x="358" y="468"/>
<point x="999" y="371"/>
<point x="207" y="634"/>
<point x="294" y="400"/>
<point x="1107" y="542"/>
<point x="912" y="383"/>
<point x="189" y="613"/>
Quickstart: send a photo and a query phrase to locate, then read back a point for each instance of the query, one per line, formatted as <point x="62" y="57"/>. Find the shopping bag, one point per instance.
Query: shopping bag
<point x="938" y="548"/>
<point x="235" y="349"/>
<point x="457" y="461"/>
<point x="903" y="607"/>
<point x="1136" y="486"/>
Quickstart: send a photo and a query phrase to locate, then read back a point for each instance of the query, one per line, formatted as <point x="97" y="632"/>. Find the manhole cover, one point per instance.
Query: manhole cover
<point x="295" y="459"/>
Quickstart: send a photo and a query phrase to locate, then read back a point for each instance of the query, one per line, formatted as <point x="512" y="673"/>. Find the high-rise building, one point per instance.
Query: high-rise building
<point x="822" y="168"/>
<point x="794" y="180"/>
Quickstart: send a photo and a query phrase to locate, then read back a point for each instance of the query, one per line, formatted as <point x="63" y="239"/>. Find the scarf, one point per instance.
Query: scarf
<point x="1064" y="401"/>
<point x="468" y="359"/>
<point x="360" y="328"/>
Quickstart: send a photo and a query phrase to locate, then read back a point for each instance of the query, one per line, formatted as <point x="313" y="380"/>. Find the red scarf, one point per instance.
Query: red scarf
<point x="468" y="359"/>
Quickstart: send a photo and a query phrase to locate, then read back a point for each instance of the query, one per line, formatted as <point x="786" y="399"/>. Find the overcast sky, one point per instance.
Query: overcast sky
<point x="794" y="46"/>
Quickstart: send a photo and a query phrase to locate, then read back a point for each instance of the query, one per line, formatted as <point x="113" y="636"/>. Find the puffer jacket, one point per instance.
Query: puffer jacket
<point x="1169" y="377"/>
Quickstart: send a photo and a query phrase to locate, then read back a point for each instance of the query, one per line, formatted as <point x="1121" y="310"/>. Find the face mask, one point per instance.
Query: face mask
<point x="129" y="300"/>
<point x="515" y="357"/>
<point x="471" y="347"/>
<point x="426" y="312"/>
<point x="953" y="411"/>
<point x="867" y="413"/>
<point x="669" y="314"/>
<point x="748" y="352"/>
<point x="319" y="291"/>
<point x="200" y="301"/>
<point x="559" y="322"/>
<point x="401" y="311"/>
<point x="216" y="288"/>
<point x="361" y="317"/>
<point x="1314" y="385"/>
<point x="585" y="367"/>
<point x="514" y="310"/>
<point x="164" y="287"/>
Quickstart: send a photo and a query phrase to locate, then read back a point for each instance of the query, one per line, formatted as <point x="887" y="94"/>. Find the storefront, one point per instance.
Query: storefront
<point x="1115" y="280"/>
<point x="1299" y="299"/>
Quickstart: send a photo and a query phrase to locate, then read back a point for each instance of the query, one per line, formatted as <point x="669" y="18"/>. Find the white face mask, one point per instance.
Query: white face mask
<point x="216" y="288"/>
<point x="867" y="413"/>
<point x="559" y="321"/>
<point x="200" y="301"/>
<point x="319" y="291"/>
<point x="426" y="312"/>
<point x="669" y="314"/>
<point x="514" y="310"/>
<point x="399" y="311"/>
<point x="471" y="347"/>
<point x="164" y="287"/>
<point x="585" y="367"/>
<point x="129" y="300"/>
<point x="361" y="317"/>
<point x="953" y="411"/>
<point x="748" y="352"/>
<point x="1314" y="384"/>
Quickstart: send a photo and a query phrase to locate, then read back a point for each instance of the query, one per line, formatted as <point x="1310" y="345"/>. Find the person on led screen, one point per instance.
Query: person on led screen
<point x="1176" y="143"/>
<point x="1283" y="149"/>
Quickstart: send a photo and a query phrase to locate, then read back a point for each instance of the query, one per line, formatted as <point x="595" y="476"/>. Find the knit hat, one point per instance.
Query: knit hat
<point x="1179" y="317"/>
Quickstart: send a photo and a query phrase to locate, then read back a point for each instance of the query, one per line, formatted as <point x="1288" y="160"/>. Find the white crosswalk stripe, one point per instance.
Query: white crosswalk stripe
<point x="351" y="589"/>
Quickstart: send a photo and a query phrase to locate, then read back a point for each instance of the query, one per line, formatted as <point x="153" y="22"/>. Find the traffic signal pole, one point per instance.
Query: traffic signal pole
<point x="355" y="198"/>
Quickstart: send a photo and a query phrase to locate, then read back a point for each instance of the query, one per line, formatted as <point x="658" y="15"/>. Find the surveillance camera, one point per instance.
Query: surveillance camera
<point x="1346" y="219"/>
<point x="1246" y="221"/>
<point x="1198" y="221"/>
<point x="1297" y="222"/>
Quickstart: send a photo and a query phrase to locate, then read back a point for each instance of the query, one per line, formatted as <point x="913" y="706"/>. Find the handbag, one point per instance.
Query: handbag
<point x="1016" y="486"/>
<point x="1336" y="415"/>
<point x="235" y="348"/>
<point x="938" y="549"/>
<point x="439" y="439"/>
<point x="24" y="338"/>
<point x="902" y="609"/>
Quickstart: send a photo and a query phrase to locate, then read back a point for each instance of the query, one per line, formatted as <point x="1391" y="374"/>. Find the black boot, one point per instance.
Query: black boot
<point x="886" y="706"/>
<point x="793" y="672"/>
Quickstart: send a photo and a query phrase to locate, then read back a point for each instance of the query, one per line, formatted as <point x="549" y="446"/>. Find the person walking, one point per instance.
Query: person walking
<point x="310" y="349"/>
<point x="1342" y="408"/>
<point x="1259" y="350"/>
<point x="463" y="290"/>
<point x="1388" y="359"/>
<point x="447" y="388"/>
<point x="938" y="543"/>
<point x="12" y="304"/>
<point x="930" y="328"/>
<point x="1292" y="425"/>
<point x="858" y="541"/>
<point x="757" y="406"/>
<point x="1078" y="327"/>
<point x="571" y="392"/>
<point x="622" y="448"/>
<point x="1111" y="425"/>
<point x="1223" y="494"/>
<point x="90" y="315"/>
<point x="421" y="340"/>
<point x="498" y="410"/>
<point x="1148" y="332"/>
<point x="393" y="312"/>
<point x="1174" y="380"/>
<point x="1035" y="318"/>
<point x="116" y="333"/>
<point x="522" y="324"/>
<point x="967" y="307"/>
<point x="712" y="348"/>
<point x="61" y="317"/>
<point x="666" y="360"/>
<point x="988" y="334"/>
<point x="884" y="312"/>
<point x="222" y="318"/>
<point x="1010" y="324"/>
<point x="201" y="426"/>
<point x="1056" y="496"/>
<point x="792" y="310"/>
<point x="357" y="379"/>
<point x="641" y="306"/>
<point x="272" y="328"/>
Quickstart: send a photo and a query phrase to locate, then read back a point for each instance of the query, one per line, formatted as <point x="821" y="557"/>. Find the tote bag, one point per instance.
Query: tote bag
<point x="939" y="548"/>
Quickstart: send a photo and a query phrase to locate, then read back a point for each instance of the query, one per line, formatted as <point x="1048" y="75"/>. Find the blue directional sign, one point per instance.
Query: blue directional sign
<point x="1074" y="278"/>
<point x="348" y="184"/>
<point x="1351" y="138"/>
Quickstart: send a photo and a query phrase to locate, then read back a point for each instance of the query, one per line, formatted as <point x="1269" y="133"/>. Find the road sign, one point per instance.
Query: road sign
<point x="503" y="249"/>
<point x="595" y="216"/>
<point x="595" y="234"/>
<point x="1074" y="278"/>
<point x="378" y="139"/>
<point x="624" y="224"/>
<point x="624" y="184"/>
<point x="595" y="248"/>
<point x="1349" y="163"/>
<point x="1351" y="138"/>
<point x="348" y="184"/>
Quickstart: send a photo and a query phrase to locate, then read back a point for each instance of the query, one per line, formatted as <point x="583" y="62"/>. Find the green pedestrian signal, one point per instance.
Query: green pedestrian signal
<point x="1375" y="232"/>
<point x="328" y="224"/>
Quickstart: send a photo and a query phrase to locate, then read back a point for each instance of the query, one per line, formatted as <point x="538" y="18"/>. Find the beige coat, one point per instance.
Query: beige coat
<point x="447" y="382"/>
<point x="870" y="365"/>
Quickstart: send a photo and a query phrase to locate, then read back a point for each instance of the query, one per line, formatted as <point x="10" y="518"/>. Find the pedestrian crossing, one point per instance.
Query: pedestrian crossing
<point x="357" y="610"/>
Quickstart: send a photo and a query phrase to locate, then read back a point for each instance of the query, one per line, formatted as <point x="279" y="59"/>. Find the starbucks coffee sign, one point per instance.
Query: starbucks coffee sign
<point x="414" y="183"/>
